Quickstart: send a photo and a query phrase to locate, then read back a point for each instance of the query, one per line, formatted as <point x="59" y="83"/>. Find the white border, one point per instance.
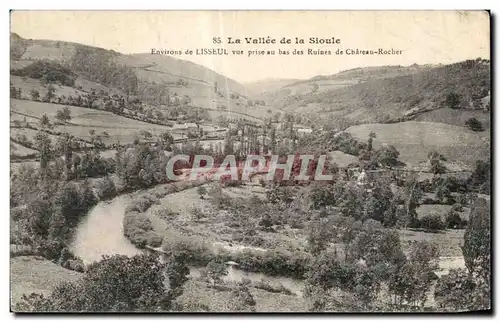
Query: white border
<point x="189" y="5"/>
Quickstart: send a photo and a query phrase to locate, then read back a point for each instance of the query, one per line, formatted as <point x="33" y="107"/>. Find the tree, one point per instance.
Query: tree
<point x="273" y="139"/>
<point x="413" y="278"/>
<point x="437" y="167"/>
<point x="44" y="145"/>
<point x="167" y="139"/>
<point x="241" y="300"/>
<point x="202" y="191"/>
<point x="276" y="117"/>
<point x="455" y="291"/>
<point x="318" y="236"/>
<point x="98" y="142"/>
<point x="326" y="272"/>
<point x="120" y="284"/>
<point x="39" y="213"/>
<point x="106" y="188"/>
<point x="215" y="271"/>
<point x="476" y="248"/>
<point x="147" y="135"/>
<point x="228" y="146"/>
<point x="63" y="115"/>
<point x="474" y="124"/>
<point x="196" y="214"/>
<point x="412" y="195"/>
<point x="35" y="95"/>
<point x="432" y="223"/>
<point x="470" y="289"/>
<point x="13" y="92"/>
<point x="386" y="156"/>
<point x="453" y="100"/>
<point x="480" y="179"/>
<point x="64" y="146"/>
<point x="50" y="93"/>
<point x="44" y="121"/>
<point x="443" y="192"/>
<point x="371" y="136"/>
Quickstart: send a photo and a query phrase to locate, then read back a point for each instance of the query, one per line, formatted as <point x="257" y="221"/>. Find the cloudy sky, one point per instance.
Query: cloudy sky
<point x="425" y="37"/>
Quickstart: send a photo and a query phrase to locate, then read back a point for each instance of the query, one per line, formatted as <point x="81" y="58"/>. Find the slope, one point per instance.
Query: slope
<point x="152" y="78"/>
<point x="367" y="97"/>
<point x="414" y="140"/>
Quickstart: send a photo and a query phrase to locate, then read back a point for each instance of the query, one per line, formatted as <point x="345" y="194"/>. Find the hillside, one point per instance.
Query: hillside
<point x="33" y="274"/>
<point x="269" y="85"/>
<point x="173" y="69"/>
<point x="155" y="79"/>
<point x="370" y="95"/>
<point x="322" y="83"/>
<point x="414" y="140"/>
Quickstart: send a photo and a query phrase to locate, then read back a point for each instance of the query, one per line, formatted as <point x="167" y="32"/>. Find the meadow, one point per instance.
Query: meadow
<point x="414" y="140"/>
<point x="83" y="120"/>
<point x="20" y="150"/>
<point x="34" y="274"/>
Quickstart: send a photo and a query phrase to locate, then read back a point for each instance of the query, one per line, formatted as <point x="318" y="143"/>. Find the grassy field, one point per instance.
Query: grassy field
<point x="35" y="274"/>
<point x="80" y="115"/>
<point x="83" y="120"/>
<point x="173" y="217"/>
<point x="30" y="134"/>
<point x="448" y="241"/>
<point x="414" y="140"/>
<point x="20" y="150"/>
<point x="198" y="292"/>
<point x="88" y="86"/>
<point x="455" y="117"/>
<point x="27" y="84"/>
<point x="341" y="159"/>
<point x="441" y="210"/>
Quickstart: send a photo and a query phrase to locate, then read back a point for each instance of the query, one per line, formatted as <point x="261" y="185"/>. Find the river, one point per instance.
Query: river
<point x="101" y="233"/>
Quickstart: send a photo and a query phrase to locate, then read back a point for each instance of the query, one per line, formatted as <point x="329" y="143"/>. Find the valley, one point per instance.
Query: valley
<point x="92" y="208"/>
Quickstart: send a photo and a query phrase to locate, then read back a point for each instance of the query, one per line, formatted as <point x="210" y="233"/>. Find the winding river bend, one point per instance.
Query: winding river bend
<point x="101" y="233"/>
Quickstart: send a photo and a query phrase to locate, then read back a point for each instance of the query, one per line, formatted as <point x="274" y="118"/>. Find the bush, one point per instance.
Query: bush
<point x="202" y="191"/>
<point x="454" y="221"/>
<point x="21" y="250"/>
<point x="154" y="240"/>
<point x="137" y="228"/>
<point x="105" y="189"/>
<point x="47" y="71"/>
<point x="74" y="265"/>
<point x="141" y="204"/>
<point x="474" y="124"/>
<point x="271" y="287"/>
<point x="50" y="249"/>
<point x="432" y="222"/>
<point x="193" y="251"/>
<point x="197" y="214"/>
<point x="457" y="207"/>
<point x="453" y="101"/>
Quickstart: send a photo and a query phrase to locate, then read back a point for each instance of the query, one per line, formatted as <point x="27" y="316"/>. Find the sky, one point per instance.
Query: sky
<point x="424" y="37"/>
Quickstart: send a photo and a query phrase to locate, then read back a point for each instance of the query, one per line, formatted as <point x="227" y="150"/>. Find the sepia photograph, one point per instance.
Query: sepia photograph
<point x="247" y="161"/>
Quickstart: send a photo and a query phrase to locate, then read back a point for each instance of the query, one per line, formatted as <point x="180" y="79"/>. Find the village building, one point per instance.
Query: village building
<point x="185" y="128"/>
